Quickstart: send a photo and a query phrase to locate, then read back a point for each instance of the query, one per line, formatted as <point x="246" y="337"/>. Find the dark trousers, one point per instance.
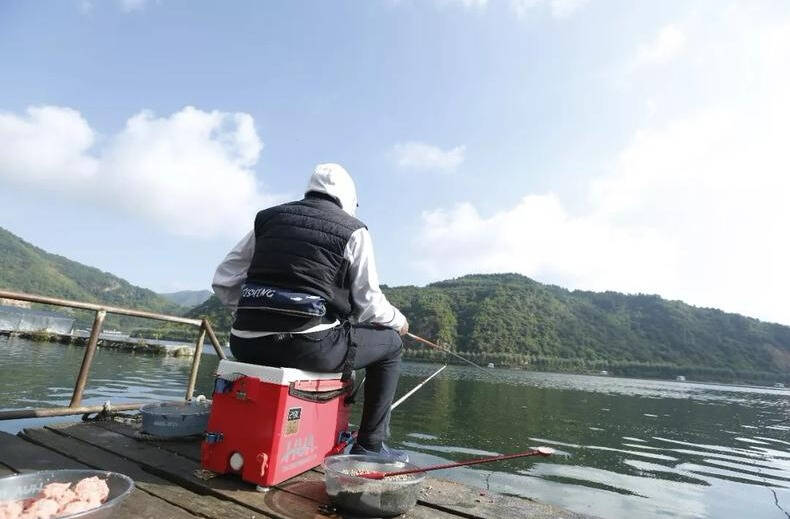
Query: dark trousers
<point x="377" y="350"/>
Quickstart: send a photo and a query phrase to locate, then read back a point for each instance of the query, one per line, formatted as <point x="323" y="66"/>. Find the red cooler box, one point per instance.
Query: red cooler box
<point x="270" y="424"/>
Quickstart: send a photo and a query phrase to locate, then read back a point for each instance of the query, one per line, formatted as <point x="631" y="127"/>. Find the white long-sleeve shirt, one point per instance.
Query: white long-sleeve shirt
<point x="370" y="305"/>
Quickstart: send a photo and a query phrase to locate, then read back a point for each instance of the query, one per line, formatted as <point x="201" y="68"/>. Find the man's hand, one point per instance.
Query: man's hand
<point x="404" y="329"/>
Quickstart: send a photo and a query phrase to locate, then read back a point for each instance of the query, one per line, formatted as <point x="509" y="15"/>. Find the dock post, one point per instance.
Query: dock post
<point x="196" y="361"/>
<point x="214" y="341"/>
<point x="87" y="360"/>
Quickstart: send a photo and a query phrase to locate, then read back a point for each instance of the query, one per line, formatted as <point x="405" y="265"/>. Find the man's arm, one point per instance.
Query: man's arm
<point x="232" y="272"/>
<point x="370" y="304"/>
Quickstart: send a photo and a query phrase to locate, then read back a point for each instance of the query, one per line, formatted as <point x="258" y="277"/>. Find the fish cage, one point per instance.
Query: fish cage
<point x="15" y="319"/>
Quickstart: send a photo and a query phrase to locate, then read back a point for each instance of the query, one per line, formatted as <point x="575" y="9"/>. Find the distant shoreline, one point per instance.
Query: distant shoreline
<point x="624" y="369"/>
<point x="130" y="345"/>
<point x="760" y="380"/>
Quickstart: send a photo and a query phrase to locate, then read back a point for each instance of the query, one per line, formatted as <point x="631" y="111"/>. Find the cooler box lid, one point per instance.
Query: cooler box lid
<point x="231" y="370"/>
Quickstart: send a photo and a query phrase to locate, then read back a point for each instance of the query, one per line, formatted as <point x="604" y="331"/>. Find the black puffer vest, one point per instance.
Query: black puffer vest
<point x="300" y="246"/>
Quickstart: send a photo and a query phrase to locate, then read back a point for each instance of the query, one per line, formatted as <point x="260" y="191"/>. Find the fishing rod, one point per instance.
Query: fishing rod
<point x="341" y="446"/>
<point x="450" y="352"/>
<point x="415" y="388"/>
<point x="540" y="451"/>
<point x="350" y="398"/>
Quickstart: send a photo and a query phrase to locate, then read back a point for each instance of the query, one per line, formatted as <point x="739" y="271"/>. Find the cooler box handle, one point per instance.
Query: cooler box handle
<point x="319" y="390"/>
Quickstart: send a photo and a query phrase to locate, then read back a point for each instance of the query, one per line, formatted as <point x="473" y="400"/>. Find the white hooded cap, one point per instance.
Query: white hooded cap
<point x="333" y="180"/>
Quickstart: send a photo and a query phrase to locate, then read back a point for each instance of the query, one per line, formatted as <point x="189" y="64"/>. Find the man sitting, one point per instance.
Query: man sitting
<point x="305" y="290"/>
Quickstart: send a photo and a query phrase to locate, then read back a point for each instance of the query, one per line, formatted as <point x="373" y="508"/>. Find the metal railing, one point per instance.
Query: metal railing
<point x="75" y="406"/>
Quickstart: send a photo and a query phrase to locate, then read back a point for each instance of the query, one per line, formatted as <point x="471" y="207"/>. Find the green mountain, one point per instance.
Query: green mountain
<point x="26" y="268"/>
<point x="506" y="319"/>
<point x="187" y="298"/>
<point x="216" y="313"/>
<point x="509" y="319"/>
<point x="211" y="309"/>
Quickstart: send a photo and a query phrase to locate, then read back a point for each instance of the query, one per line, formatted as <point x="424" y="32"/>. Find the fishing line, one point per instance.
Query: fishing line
<point x="340" y="447"/>
<point x="450" y="352"/>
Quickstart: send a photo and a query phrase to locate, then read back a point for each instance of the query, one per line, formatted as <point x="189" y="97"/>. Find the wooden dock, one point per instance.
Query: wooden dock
<point x="170" y="484"/>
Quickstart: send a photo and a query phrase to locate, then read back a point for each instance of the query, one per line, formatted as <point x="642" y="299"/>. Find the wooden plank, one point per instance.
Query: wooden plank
<point x="5" y="470"/>
<point x="439" y="498"/>
<point x="312" y="487"/>
<point x="23" y="456"/>
<point x="189" y="449"/>
<point x="473" y="503"/>
<point x="180" y="470"/>
<point x="444" y="495"/>
<point x="141" y="505"/>
<point x="205" y="506"/>
<point x="309" y="485"/>
<point x="463" y="500"/>
<point x="298" y="497"/>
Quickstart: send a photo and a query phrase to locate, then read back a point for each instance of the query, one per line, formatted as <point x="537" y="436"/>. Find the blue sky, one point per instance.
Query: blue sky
<point x="595" y="144"/>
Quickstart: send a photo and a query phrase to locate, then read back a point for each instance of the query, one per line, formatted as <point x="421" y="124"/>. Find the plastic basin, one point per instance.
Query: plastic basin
<point x="175" y="419"/>
<point x="369" y="497"/>
<point x="23" y="486"/>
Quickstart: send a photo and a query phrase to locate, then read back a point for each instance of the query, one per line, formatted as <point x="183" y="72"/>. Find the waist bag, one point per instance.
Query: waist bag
<point x="278" y="300"/>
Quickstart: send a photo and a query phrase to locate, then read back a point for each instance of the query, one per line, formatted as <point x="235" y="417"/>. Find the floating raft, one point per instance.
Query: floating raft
<point x="170" y="484"/>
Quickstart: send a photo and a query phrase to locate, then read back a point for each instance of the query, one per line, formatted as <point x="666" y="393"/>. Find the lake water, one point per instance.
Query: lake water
<point x="626" y="448"/>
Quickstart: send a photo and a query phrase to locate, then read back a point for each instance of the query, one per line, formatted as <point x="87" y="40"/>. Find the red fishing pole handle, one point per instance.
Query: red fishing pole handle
<point x="341" y="446"/>
<point x="337" y="449"/>
<point x="534" y="452"/>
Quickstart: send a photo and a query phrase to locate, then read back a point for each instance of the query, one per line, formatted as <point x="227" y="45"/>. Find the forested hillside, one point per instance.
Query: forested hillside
<point x="219" y="316"/>
<point x="188" y="298"/>
<point x="211" y="309"/>
<point x="26" y="268"/>
<point x="506" y="319"/>
<point x="519" y="321"/>
<point x="512" y="320"/>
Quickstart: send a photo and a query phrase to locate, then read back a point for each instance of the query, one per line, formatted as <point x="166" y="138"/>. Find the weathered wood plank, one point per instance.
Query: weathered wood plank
<point x="312" y="487"/>
<point x="180" y="470"/>
<point x="201" y="505"/>
<point x="141" y="505"/>
<point x="298" y="497"/>
<point x="5" y="470"/>
<point x="473" y="503"/>
<point x="188" y="449"/>
<point x="438" y="495"/>
<point x="23" y="456"/>
<point x="460" y="499"/>
<point x="307" y="485"/>
<point x="175" y="461"/>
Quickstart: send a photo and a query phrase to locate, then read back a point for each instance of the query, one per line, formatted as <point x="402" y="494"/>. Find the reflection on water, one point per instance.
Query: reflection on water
<point x="41" y="374"/>
<point x="625" y="447"/>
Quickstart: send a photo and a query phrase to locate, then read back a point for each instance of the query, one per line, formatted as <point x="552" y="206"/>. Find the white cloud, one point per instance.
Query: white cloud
<point x="189" y="172"/>
<point x="469" y="4"/>
<point x="538" y="237"/>
<point x="523" y="7"/>
<point x="565" y="8"/>
<point x="421" y="156"/>
<point x="694" y="206"/>
<point x="667" y="44"/>
<point x="47" y="147"/>
<point x="128" y="6"/>
<point x="559" y="8"/>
